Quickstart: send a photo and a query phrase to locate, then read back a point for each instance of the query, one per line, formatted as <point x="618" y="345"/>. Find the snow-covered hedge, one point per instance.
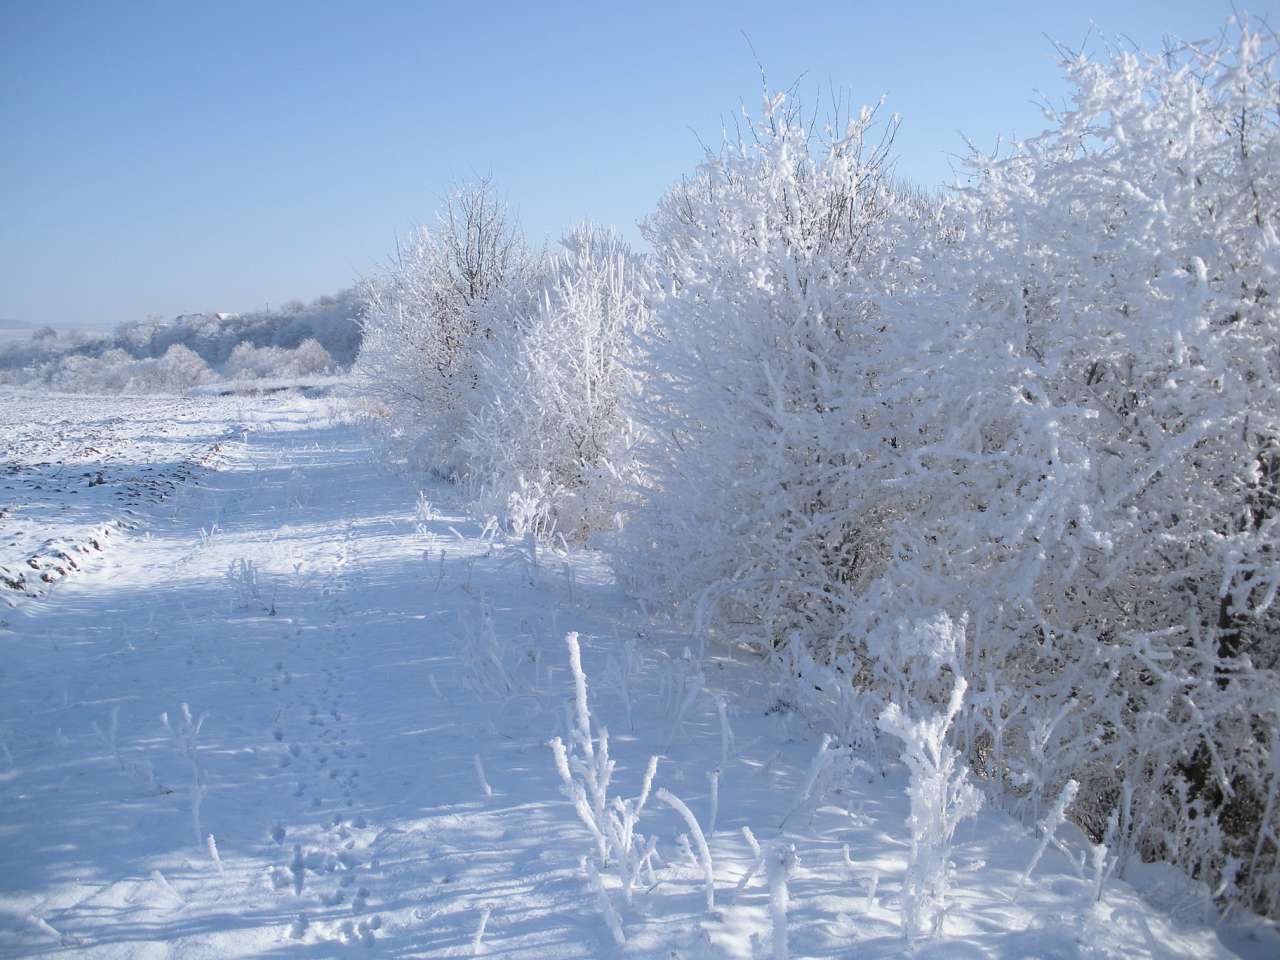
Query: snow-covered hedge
<point x="1027" y="433"/>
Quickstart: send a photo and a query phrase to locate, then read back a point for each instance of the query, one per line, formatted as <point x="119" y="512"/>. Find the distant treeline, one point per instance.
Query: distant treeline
<point x="166" y="354"/>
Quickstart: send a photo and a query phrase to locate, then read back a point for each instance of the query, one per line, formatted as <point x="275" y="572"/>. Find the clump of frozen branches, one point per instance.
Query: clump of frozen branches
<point x="941" y="797"/>
<point x="242" y="577"/>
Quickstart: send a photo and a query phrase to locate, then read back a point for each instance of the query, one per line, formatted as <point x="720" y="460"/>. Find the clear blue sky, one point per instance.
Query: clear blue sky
<point x="172" y="157"/>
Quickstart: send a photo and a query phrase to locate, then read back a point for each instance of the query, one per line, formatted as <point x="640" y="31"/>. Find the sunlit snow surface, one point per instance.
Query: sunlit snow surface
<point x="320" y="616"/>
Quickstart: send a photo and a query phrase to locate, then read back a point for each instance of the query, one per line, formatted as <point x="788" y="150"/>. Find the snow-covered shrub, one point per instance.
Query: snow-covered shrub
<point x="422" y="330"/>
<point x="764" y="385"/>
<point x="552" y="430"/>
<point x="1048" y="404"/>
<point x="1096" y="475"/>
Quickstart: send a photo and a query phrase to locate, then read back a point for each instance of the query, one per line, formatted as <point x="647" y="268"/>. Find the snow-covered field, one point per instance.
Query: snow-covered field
<point x="76" y="470"/>
<point x="372" y="677"/>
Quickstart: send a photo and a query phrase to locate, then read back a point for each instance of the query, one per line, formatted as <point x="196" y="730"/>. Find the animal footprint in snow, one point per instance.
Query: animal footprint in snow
<point x="362" y="931"/>
<point x="298" y="869"/>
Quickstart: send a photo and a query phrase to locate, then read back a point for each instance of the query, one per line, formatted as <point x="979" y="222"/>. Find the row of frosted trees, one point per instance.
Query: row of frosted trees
<point x="1026" y="432"/>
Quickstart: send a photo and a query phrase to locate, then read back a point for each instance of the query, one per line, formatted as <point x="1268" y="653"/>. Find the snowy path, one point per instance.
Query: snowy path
<point x="339" y="668"/>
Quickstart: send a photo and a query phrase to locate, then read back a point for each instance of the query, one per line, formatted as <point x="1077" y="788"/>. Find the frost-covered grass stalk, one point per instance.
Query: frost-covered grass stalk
<point x="586" y="771"/>
<point x="726" y="732"/>
<point x="184" y="735"/>
<point x="704" y="852"/>
<point x="611" y="918"/>
<point x="108" y="736"/>
<point x="477" y="941"/>
<point x="1056" y="816"/>
<point x="757" y="861"/>
<point x="1102" y="859"/>
<point x="484" y="783"/>
<point x="714" y="779"/>
<point x="685" y="683"/>
<point x="163" y="883"/>
<point x="212" y="846"/>
<point x="941" y="797"/>
<point x="140" y="771"/>
<point x="625" y="670"/>
<point x="781" y="862"/>
<point x="570" y="583"/>
<point x="485" y="659"/>
<point x="821" y="760"/>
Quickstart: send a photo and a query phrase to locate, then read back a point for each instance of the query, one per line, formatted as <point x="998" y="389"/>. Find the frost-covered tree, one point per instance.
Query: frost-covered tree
<point x="422" y="338"/>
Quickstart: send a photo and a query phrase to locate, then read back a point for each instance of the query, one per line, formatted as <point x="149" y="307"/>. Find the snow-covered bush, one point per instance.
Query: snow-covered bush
<point x="761" y="385"/>
<point x="552" y="430"/>
<point x="1099" y="483"/>
<point x="1048" y="404"/>
<point x="422" y="330"/>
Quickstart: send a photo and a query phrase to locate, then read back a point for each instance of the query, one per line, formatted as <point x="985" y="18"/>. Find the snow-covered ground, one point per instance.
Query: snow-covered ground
<point x="374" y="676"/>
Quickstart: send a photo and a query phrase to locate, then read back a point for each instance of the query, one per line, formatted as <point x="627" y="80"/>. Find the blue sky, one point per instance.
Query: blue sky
<point x="174" y="157"/>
